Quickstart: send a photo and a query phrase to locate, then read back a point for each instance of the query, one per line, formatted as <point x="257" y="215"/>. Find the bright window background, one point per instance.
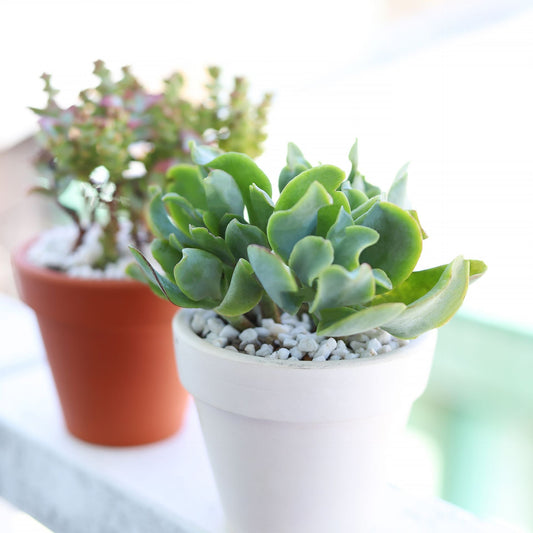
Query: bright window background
<point x="447" y="85"/>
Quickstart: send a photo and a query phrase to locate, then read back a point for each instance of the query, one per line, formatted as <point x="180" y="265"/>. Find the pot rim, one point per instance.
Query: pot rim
<point x="21" y="262"/>
<point x="182" y="327"/>
<point x="301" y="391"/>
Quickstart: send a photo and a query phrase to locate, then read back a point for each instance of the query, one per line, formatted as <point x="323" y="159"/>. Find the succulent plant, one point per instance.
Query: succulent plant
<point x="333" y="246"/>
<point x="100" y="155"/>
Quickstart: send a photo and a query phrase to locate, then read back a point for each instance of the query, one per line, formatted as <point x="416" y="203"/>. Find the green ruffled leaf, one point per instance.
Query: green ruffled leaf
<point x="310" y="257"/>
<point x="414" y="214"/>
<point x="244" y="291"/>
<point x="213" y="244"/>
<point x="202" y="155"/>
<point x="419" y="283"/>
<point x="160" y="223"/>
<point x="343" y="321"/>
<point x="244" y="171"/>
<point x="398" y="191"/>
<point x="329" y="176"/>
<point x="437" y="306"/>
<point x="187" y="181"/>
<point x="286" y="228"/>
<point x="337" y="287"/>
<point x="359" y="212"/>
<point x="400" y="241"/>
<point x="166" y="255"/>
<point x="350" y="243"/>
<point x="223" y="194"/>
<point x="381" y="279"/>
<point x="260" y="207"/>
<point x="296" y="164"/>
<point x="170" y="291"/>
<point x="198" y="275"/>
<point x="134" y="271"/>
<point x="355" y="198"/>
<point x="182" y="212"/>
<point x="276" y="278"/>
<point x="239" y="236"/>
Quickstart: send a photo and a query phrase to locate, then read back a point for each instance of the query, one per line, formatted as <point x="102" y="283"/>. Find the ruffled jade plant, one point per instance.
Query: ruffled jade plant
<point x="333" y="246"/>
<point x="100" y="155"/>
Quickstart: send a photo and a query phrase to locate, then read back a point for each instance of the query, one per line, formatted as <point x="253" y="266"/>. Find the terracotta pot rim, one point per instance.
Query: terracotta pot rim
<point x="20" y="260"/>
<point x="181" y="324"/>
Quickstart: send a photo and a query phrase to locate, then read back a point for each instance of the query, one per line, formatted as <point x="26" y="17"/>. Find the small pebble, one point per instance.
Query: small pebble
<point x="229" y="332"/>
<point x="250" y="349"/>
<point x="307" y="344"/>
<point x="295" y="352"/>
<point x="283" y="353"/>
<point x="266" y="349"/>
<point x="373" y="344"/>
<point x="319" y="358"/>
<point x="216" y="325"/>
<point x="197" y="322"/>
<point x="248" y="335"/>
<point x="262" y="332"/>
<point x="325" y="349"/>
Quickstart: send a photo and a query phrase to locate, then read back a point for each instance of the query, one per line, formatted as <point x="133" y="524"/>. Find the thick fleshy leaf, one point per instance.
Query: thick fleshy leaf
<point x="400" y="241"/>
<point x="326" y="218"/>
<point x="398" y="190"/>
<point x="244" y="171"/>
<point x="187" y="181"/>
<point x="349" y="244"/>
<point x="329" y="176"/>
<point x="286" y="228"/>
<point x="477" y="269"/>
<point x="199" y="274"/>
<point x="216" y="245"/>
<point x="239" y="236"/>
<point x="436" y="307"/>
<point x="310" y="257"/>
<point x="337" y="287"/>
<point x="182" y="212"/>
<point x="211" y="222"/>
<point x="296" y="164"/>
<point x="276" y="278"/>
<point x="160" y="223"/>
<point x="223" y="194"/>
<point x="170" y="291"/>
<point x="202" y="154"/>
<point x="244" y="291"/>
<point x="134" y="271"/>
<point x="355" y="197"/>
<point x="344" y="321"/>
<point x="359" y="212"/>
<point x="419" y="283"/>
<point x="166" y="255"/>
<point x="414" y="214"/>
<point x="381" y="279"/>
<point x="260" y="207"/>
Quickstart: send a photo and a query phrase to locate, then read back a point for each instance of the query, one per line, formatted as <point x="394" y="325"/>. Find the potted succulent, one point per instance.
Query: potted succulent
<point x="298" y="354"/>
<point x="108" y="338"/>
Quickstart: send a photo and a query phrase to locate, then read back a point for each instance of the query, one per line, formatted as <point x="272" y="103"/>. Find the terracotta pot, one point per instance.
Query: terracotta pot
<point x="110" y="348"/>
<point x="299" y="446"/>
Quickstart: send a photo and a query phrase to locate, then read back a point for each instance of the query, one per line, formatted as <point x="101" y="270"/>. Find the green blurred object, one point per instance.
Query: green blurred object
<point x="478" y="408"/>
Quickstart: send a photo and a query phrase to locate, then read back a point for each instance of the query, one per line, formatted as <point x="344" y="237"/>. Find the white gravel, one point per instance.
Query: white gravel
<point x="292" y="339"/>
<point x="53" y="249"/>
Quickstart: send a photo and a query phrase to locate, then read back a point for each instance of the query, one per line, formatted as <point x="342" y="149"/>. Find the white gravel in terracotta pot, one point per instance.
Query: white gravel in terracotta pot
<point x="292" y="339"/>
<point x="53" y="249"/>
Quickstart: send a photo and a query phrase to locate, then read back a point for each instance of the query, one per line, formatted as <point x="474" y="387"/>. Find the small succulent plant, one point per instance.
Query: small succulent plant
<point x="333" y="246"/>
<point x="100" y="155"/>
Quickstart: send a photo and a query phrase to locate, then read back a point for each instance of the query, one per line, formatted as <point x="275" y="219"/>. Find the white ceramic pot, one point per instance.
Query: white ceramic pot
<point x="299" y="447"/>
